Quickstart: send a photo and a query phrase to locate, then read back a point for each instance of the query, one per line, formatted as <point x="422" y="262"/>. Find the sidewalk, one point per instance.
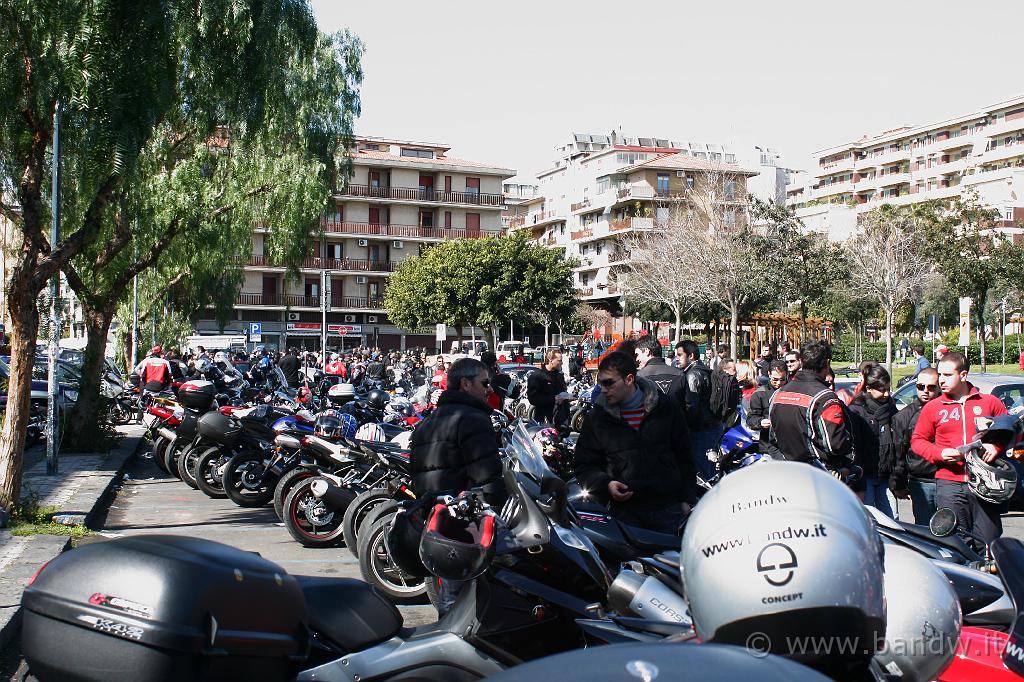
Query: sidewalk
<point x="79" y="490"/>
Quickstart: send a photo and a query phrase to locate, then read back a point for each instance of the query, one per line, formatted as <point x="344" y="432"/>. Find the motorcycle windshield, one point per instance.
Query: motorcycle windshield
<point x="527" y="456"/>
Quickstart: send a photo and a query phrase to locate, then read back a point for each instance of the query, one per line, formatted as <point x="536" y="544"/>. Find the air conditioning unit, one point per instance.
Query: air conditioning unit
<point x="361" y="279"/>
<point x="398" y="244"/>
<point x="293" y="317"/>
<point x="371" y="318"/>
<point x="350" y="318"/>
<point x="680" y="174"/>
<point x="363" y="242"/>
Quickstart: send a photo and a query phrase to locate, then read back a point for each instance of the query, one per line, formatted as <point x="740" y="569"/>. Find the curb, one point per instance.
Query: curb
<point x="53" y="546"/>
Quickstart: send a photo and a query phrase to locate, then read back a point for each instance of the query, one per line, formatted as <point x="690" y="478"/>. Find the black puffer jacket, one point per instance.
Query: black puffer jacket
<point x="654" y="460"/>
<point x="454" y="449"/>
<point x="908" y="464"/>
<point x="871" y="423"/>
<point x="541" y="388"/>
<point x="758" y="410"/>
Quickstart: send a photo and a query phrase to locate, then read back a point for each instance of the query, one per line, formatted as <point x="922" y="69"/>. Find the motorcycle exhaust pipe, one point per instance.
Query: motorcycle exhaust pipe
<point x="165" y="433"/>
<point x="334" y="496"/>
<point x="644" y="596"/>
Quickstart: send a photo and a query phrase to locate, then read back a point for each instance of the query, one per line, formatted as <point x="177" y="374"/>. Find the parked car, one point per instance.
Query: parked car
<point x="67" y="393"/>
<point x="1007" y="387"/>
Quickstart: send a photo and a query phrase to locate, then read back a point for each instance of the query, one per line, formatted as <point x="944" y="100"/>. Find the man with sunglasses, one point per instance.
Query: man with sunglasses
<point x="914" y="476"/>
<point x="634" y="450"/>
<point x="793" y="364"/>
<point x="757" y="416"/>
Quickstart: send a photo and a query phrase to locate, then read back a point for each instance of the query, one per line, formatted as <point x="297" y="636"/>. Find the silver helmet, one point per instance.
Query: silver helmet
<point x="994" y="482"/>
<point x="922" y="617"/>
<point x="783" y="558"/>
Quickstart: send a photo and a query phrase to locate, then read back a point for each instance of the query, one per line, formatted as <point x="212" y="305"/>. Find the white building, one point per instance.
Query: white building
<point x="982" y="150"/>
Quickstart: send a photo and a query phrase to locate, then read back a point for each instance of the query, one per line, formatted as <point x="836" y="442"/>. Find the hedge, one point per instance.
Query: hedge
<point x="842" y="350"/>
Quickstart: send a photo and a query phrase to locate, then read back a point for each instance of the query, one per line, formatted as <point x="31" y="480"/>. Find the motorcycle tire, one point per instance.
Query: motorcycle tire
<point x="308" y="520"/>
<point x="120" y="414"/>
<point x="159" y="452"/>
<point x="185" y="466"/>
<point x="576" y="423"/>
<point x="172" y="455"/>
<point x="365" y="502"/>
<point x="382" y="509"/>
<point x="379" y="571"/>
<point x="242" y="480"/>
<point x="285" y="485"/>
<point x="207" y="472"/>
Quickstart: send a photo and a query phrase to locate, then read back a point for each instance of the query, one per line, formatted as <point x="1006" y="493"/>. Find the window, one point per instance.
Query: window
<point x="730" y="190"/>
<point x="662" y="184"/>
<point x="426" y="218"/>
<point x="371" y="147"/>
<point x="447" y="218"/>
<point x="473" y="222"/>
<point x="418" y="153"/>
<point x="729" y="217"/>
<point x="689" y="182"/>
<point x="473" y="185"/>
<point x="715" y="156"/>
<point x="339" y="213"/>
<point x="599" y="248"/>
<point x="1007" y="214"/>
<point x="603" y="184"/>
<point x="731" y="158"/>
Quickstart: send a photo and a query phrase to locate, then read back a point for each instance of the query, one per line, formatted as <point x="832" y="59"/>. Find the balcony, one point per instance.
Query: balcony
<point x="586" y="291"/>
<point x="890" y="179"/>
<point x="637" y="190"/>
<point x="1005" y="126"/>
<point x="839" y="166"/>
<point x="405" y="231"/>
<point x="580" y="205"/>
<point x="301" y="301"/>
<point x="1002" y="153"/>
<point x="581" y="234"/>
<point x="423" y="195"/>
<point x="314" y="263"/>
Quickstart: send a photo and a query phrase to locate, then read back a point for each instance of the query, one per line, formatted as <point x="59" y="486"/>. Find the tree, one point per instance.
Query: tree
<point x="965" y="245"/>
<point x="805" y="265"/>
<point x="886" y="262"/>
<point x="658" y="273"/>
<point x="483" y="282"/>
<point x="118" y="73"/>
<point x="197" y="194"/>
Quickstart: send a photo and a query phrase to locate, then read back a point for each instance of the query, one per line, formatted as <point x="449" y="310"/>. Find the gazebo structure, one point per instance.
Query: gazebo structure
<point x="775" y="328"/>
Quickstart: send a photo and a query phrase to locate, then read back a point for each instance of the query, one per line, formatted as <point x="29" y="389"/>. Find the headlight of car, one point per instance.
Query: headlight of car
<point x="71" y="394"/>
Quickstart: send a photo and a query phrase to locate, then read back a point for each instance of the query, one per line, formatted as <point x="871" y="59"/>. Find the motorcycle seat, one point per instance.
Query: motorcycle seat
<point x="349" y="612"/>
<point x="648" y="540"/>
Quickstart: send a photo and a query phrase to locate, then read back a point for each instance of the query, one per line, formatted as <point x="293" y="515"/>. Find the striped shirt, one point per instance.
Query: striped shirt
<point x="632" y="410"/>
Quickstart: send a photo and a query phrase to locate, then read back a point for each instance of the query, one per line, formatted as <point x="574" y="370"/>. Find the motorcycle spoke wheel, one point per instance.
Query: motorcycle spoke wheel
<point x="379" y="570"/>
<point x="207" y="476"/>
<point x="285" y="486"/>
<point x="245" y="481"/>
<point x="308" y="519"/>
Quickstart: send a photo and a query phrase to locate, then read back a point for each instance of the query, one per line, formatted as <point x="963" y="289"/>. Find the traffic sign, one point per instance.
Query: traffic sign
<point x="255" y="332"/>
<point x="442" y="332"/>
<point x="965" y="321"/>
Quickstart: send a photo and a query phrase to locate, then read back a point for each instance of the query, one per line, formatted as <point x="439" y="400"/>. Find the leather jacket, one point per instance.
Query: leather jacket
<point x="697" y="396"/>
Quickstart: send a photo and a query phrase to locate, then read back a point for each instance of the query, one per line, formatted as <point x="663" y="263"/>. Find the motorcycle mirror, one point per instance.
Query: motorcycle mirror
<point x="943" y="522"/>
<point x="553" y="497"/>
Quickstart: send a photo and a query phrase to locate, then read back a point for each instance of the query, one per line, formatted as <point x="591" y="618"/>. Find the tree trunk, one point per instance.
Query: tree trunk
<point x="84" y="428"/>
<point x="21" y="301"/>
<point x="981" y="328"/>
<point x="734" y="323"/>
<point x="889" y="314"/>
<point x="679" y="323"/>
<point x="803" y="320"/>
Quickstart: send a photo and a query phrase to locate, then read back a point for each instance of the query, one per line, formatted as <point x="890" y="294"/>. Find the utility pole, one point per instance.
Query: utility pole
<point x="53" y="394"/>
<point x="135" y="312"/>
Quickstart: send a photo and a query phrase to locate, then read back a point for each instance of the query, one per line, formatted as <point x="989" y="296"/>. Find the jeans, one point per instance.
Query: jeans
<point x="972" y="514"/>
<point x="701" y="442"/>
<point x="876" y="495"/>
<point x="666" y="520"/>
<point x="443" y="593"/>
<point x="922" y="497"/>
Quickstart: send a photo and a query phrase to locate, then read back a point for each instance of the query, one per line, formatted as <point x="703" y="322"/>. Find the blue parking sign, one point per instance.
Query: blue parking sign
<point x="255" y="328"/>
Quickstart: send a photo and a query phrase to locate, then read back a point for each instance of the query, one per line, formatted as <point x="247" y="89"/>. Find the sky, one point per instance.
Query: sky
<point x="505" y="83"/>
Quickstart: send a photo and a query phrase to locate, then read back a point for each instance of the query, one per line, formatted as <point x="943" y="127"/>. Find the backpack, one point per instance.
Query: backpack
<point x="725" y="394"/>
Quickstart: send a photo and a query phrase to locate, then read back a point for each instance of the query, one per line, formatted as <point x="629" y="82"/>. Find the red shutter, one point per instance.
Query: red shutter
<point x="473" y="223"/>
<point x="447" y="218"/>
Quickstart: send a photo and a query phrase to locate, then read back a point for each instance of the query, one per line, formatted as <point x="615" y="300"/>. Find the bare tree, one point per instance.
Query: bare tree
<point x="887" y="263"/>
<point x="656" y="268"/>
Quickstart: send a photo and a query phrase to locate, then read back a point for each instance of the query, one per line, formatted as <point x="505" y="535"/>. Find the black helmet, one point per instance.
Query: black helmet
<point x="377" y="399"/>
<point x="403" y="539"/>
<point x="454" y="549"/>
<point x="329" y="424"/>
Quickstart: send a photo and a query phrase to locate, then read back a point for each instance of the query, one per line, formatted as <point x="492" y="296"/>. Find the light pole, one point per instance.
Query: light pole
<point x="52" y="427"/>
<point x="1002" y="328"/>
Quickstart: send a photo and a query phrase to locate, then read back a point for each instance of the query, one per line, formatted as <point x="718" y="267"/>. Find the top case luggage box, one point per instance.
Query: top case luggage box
<point x="197" y="395"/>
<point x="163" y="608"/>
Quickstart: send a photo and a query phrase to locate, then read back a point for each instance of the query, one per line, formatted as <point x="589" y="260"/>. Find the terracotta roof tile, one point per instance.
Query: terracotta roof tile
<point x="444" y="160"/>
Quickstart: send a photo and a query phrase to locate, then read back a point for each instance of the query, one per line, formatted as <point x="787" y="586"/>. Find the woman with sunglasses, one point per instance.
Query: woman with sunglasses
<point x="914" y="476"/>
<point x="872" y="411"/>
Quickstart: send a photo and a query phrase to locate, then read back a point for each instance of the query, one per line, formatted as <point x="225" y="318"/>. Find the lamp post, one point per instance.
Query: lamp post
<point x="53" y="393"/>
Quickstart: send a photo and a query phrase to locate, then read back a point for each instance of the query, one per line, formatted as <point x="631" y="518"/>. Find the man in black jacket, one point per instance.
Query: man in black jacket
<point x="757" y="416"/>
<point x="914" y="476"/>
<point x="634" y="450"/>
<point x="652" y="366"/>
<point x="544" y="389"/>
<point x="705" y="429"/>
<point x="807" y="418"/>
<point x="289" y="365"/>
<point x="454" y="449"/>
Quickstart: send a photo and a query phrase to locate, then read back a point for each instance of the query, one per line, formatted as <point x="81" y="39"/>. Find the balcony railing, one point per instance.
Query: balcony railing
<point x="300" y="301"/>
<point x="580" y="205"/>
<point x="582" y="234"/>
<point x="422" y="194"/>
<point x="586" y="291"/>
<point x="405" y="231"/>
<point x="314" y="263"/>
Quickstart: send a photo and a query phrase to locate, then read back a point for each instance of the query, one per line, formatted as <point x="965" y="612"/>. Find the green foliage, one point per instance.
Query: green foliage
<point x="29" y="517"/>
<point x="482" y="282"/>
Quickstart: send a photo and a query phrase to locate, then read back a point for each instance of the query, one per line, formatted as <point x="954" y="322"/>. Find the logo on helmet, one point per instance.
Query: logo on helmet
<point x="777" y="564"/>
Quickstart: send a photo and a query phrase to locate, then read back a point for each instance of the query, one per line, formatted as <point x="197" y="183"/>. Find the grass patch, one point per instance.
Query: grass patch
<point x="31" y="518"/>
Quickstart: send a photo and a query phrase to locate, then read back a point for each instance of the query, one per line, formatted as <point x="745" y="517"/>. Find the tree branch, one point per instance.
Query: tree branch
<point x="122" y="235"/>
<point x="150" y="258"/>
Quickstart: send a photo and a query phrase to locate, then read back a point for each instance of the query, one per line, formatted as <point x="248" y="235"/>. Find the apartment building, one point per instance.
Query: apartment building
<point x="981" y="151"/>
<point x="402" y="196"/>
<point x="603" y="188"/>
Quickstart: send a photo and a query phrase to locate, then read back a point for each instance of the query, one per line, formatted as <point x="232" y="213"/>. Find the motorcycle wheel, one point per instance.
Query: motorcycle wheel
<point x="120" y="413"/>
<point x="285" y="485"/>
<point x="208" y="472"/>
<point x="576" y="423"/>
<point x="365" y="502"/>
<point x="159" y="452"/>
<point x="172" y="456"/>
<point x="308" y="520"/>
<point x="185" y="465"/>
<point x="378" y="570"/>
<point x="374" y="515"/>
<point x="246" y="481"/>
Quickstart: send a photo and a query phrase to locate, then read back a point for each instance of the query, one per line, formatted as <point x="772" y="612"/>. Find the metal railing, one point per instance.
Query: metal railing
<point x="301" y="301"/>
<point x="422" y="194"/>
<point x="405" y="231"/>
<point x="314" y="263"/>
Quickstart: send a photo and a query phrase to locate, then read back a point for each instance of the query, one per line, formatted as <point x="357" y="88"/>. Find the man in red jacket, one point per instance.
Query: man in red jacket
<point x="948" y="422"/>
